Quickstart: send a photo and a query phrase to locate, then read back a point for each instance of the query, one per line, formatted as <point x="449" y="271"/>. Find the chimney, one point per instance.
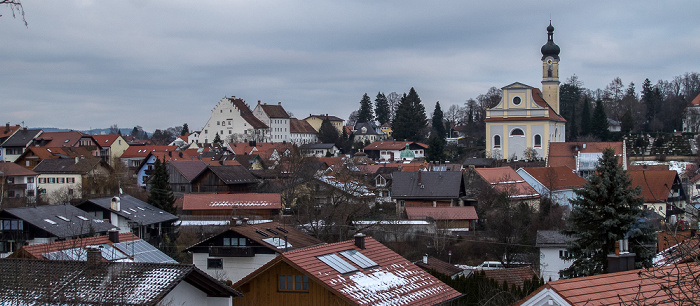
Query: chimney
<point x="113" y="236"/>
<point x="279" y="103"/>
<point x="360" y="241"/>
<point x="245" y="220"/>
<point x="622" y="260"/>
<point x="115" y="204"/>
<point x="425" y="259"/>
<point x="7" y="127"/>
<point x="94" y="257"/>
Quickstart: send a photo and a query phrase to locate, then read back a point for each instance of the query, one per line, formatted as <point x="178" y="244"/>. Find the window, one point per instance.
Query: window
<point x="71" y="180"/>
<point x="61" y="180"/>
<point x="182" y="188"/>
<point x="517" y="132"/>
<point x="538" y="141"/>
<point x="497" y="141"/>
<point x="53" y="180"/>
<point x="10" y="193"/>
<point x="70" y="191"/>
<point x="30" y="193"/>
<point x="10" y="180"/>
<point x="517" y="100"/>
<point x="30" y="179"/>
<point x="294" y="283"/>
<point x="215" y="263"/>
<point x="563" y="254"/>
<point x="217" y="123"/>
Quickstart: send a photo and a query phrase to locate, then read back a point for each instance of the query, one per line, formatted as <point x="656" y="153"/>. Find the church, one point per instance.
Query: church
<point x="526" y="120"/>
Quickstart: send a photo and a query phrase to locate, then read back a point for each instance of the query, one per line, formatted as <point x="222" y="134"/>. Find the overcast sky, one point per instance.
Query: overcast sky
<point x="84" y="64"/>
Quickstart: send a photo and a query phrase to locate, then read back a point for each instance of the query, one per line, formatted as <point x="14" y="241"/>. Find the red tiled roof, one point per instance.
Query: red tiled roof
<point x="105" y="140"/>
<point x="506" y="179"/>
<point x="556" y="178"/>
<point x="413" y="167"/>
<point x="537" y="97"/>
<point x="513" y="276"/>
<point x="394" y="281"/>
<point x="12" y="169"/>
<point x="230" y="201"/>
<point x="656" y="185"/>
<point x="392" y="145"/>
<point x="8" y="130"/>
<point x="649" y="287"/>
<point x="274" y="111"/>
<point x="142" y="151"/>
<point x="300" y="126"/>
<point x="37" y="250"/>
<point x="264" y="149"/>
<point x="564" y="153"/>
<point x="61" y="139"/>
<point x="439" y="266"/>
<point x="442" y="213"/>
<point x="696" y="101"/>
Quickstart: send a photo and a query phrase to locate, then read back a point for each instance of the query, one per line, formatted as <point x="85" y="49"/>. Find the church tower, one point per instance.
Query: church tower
<point x="550" y="70"/>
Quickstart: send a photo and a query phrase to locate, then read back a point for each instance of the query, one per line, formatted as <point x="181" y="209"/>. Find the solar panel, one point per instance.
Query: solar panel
<point x="110" y="253"/>
<point x="142" y="251"/>
<point x="68" y="254"/>
<point x="359" y="259"/>
<point x="337" y="263"/>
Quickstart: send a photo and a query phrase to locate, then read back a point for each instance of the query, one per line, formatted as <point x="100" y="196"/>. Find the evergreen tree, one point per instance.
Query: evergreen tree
<point x="439" y="122"/>
<point x="627" y="122"/>
<point x="410" y="120"/>
<point x="217" y="138"/>
<point x="365" y="113"/>
<point x="185" y="129"/>
<point x="327" y="133"/>
<point x="586" y="118"/>
<point x="436" y="149"/>
<point x="599" y="121"/>
<point x="161" y="195"/>
<point x="570" y="94"/>
<point x="381" y="109"/>
<point x="606" y="210"/>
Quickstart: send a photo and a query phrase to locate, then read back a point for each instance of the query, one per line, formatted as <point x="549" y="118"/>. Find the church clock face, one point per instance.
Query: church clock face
<point x="549" y="61"/>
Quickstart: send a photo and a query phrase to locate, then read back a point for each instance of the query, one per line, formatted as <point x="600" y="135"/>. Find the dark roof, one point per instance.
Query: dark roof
<point x="21" y="138"/>
<point x="438" y="266"/>
<point x="68" y="165"/>
<point x="48" y="218"/>
<point x="133" y="209"/>
<point x="478" y="162"/>
<point x="551" y="239"/>
<point x="274" y="111"/>
<point x="233" y="174"/>
<point x="12" y="169"/>
<point x="247" y="114"/>
<point x="106" y="283"/>
<point x="301" y="126"/>
<point x="423" y="184"/>
<point x="188" y="168"/>
<point x="512" y="276"/>
<point x="370" y="130"/>
<point x="296" y="239"/>
<point x="319" y="146"/>
<point x="324" y="117"/>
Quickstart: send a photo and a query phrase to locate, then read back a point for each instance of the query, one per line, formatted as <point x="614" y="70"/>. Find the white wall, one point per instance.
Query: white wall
<point x="235" y="268"/>
<point x="186" y="294"/>
<point x="551" y="263"/>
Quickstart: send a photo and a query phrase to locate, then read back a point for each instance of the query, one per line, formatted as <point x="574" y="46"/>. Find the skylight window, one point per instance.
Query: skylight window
<point x="63" y="218"/>
<point x="82" y="218"/>
<point x="337" y="263"/>
<point x="359" y="259"/>
<point x="50" y="221"/>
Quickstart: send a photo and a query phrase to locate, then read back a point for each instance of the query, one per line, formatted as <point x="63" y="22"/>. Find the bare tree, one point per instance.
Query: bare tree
<point x="16" y="8"/>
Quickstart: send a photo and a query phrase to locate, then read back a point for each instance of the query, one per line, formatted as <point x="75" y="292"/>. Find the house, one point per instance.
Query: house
<point x="67" y="139"/>
<point x="42" y="224"/>
<point x="319" y="149"/>
<point x="505" y="179"/>
<point x="662" y="192"/>
<point x="302" y="132"/>
<point x="552" y="246"/>
<point x="557" y="183"/>
<point x="182" y="173"/>
<point x="430" y="263"/>
<point x="224" y="179"/>
<point x="94" y="282"/>
<point x="63" y="179"/>
<point x="583" y="156"/>
<point x="386" y="129"/>
<point x="383" y="178"/>
<point x="691" y="116"/>
<point x="145" y="169"/>
<point x="427" y="189"/>
<point x="16" y="144"/>
<point x="130" y="214"/>
<point x="226" y="206"/>
<point x="233" y="121"/>
<point x="17" y="183"/>
<point x="112" y="147"/>
<point x="455" y="218"/>
<point x="134" y="156"/>
<point x="113" y="246"/>
<point x="277" y="119"/>
<point x="34" y="155"/>
<point x="271" y="153"/>
<point x="245" y="247"/>
<point x="392" y="150"/>
<point x="316" y="120"/>
<point x="359" y="272"/>
<point x="526" y="119"/>
<point x="668" y="285"/>
<point x="5" y="133"/>
<point x="366" y="132"/>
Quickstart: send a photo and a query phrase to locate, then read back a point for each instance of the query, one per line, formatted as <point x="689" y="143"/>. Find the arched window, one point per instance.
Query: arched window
<point x="538" y="141"/>
<point x="497" y="141"/>
<point x="517" y="132"/>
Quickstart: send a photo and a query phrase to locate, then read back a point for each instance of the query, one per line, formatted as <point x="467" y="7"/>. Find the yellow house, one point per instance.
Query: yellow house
<point x="386" y="128"/>
<point x="112" y="147"/>
<point x="316" y="120"/>
<point x="526" y="120"/>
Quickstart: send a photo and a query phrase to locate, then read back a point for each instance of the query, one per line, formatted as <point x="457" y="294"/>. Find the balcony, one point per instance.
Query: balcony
<point x="231" y="251"/>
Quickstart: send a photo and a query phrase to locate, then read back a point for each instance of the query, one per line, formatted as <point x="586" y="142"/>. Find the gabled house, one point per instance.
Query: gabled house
<point x="125" y="247"/>
<point x="319" y="149"/>
<point x="552" y="246"/>
<point x="93" y="282"/>
<point x="16" y="144"/>
<point x="316" y="120"/>
<point x="557" y="183"/>
<point x="17" y="183"/>
<point x="130" y="214"/>
<point x="182" y="173"/>
<point x="224" y="179"/>
<point x="249" y="205"/>
<point x="583" y="156"/>
<point x="5" y="133"/>
<point x="233" y="121"/>
<point x="366" y="132"/>
<point x="42" y="224"/>
<point x="245" y="247"/>
<point x="302" y="132"/>
<point x="505" y="179"/>
<point x="63" y="179"/>
<point x="277" y="119"/>
<point x="691" y="116"/>
<point x="147" y="166"/>
<point x="359" y="272"/>
<point x="383" y="178"/>
<point x="271" y="153"/>
<point x="454" y="218"/>
<point x="427" y="189"/>
<point x="392" y="150"/>
<point x="66" y="139"/>
<point x="111" y="146"/>
<point x="134" y="156"/>
<point x="34" y="155"/>
<point x="662" y="192"/>
<point x="430" y="263"/>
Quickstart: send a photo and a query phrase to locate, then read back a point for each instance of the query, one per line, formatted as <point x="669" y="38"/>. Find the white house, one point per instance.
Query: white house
<point x="558" y="183"/>
<point x="552" y="245"/>
<point x="233" y="121"/>
<point x="277" y="119"/>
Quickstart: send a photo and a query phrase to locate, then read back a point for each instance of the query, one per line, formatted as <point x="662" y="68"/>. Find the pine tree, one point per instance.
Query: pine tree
<point x="627" y="122"/>
<point x="327" y="133"/>
<point x="436" y="149"/>
<point x="410" y="120"/>
<point x="599" y="121"/>
<point x="439" y="122"/>
<point x="161" y="194"/>
<point x="570" y="95"/>
<point x="365" y="113"/>
<point x="217" y="139"/>
<point x="185" y="130"/>
<point x="381" y="109"/>
<point x="606" y="210"/>
<point x="586" y="118"/>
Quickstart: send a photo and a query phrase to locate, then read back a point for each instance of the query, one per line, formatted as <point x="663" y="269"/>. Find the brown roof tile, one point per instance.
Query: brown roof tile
<point x="656" y="185"/>
<point x="438" y="266"/>
<point x="37" y="251"/>
<point x="392" y="145"/>
<point x="61" y="139"/>
<point x="442" y="213"/>
<point x="564" y="153"/>
<point x="142" y="151"/>
<point x="300" y="126"/>
<point x="274" y="111"/>
<point x="506" y="179"/>
<point x="513" y="276"/>
<point x="556" y="178"/>
<point x="188" y="168"/>
<point x="12" y="169"/>
<point x="105" y="140"/>
<point x="247" y="114"/>
<point x="230" y="201"/>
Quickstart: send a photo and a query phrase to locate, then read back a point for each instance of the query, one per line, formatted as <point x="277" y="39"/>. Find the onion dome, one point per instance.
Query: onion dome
<point x="550" y="48"/>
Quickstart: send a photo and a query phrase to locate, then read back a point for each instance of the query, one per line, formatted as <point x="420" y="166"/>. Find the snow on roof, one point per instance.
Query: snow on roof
<point x="677" y="166"/>
<point x="351" y="187"/>
<point x="278" y="242"/>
